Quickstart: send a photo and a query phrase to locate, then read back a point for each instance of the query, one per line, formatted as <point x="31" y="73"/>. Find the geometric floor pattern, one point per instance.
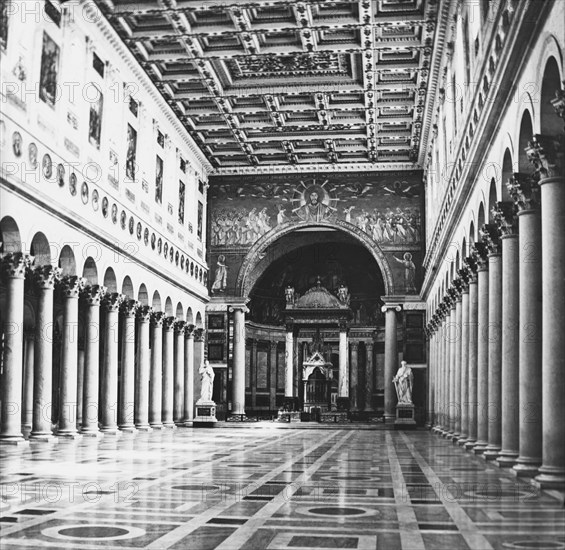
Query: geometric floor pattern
<point x="268" y="488"/>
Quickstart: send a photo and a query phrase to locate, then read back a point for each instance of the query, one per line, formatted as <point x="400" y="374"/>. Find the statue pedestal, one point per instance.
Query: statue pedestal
<point x="204" y="414"/>
<point x="404" y="416"/>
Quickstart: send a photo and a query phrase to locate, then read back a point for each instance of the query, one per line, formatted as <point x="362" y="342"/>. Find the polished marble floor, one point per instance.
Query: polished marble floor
<point x="268" y="488"/>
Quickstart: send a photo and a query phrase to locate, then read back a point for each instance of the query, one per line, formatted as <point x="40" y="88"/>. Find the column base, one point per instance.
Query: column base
<point x="526" y="467"/>
<point x="112" y="431"/>
<point x="128" y="428"/>
<point x="13" y="440"/>
<point x="506" y="459"/>
<point x="46" y="437"/>
<point x="550" y="478"/>
<point x="144" y="428"/>
<point x="169" y="425"/>
<point x="491" y="452"/>
<point x="470" y="444"/>
<point x="93" y="434"/>
<point x="68" y="435"/>
<point x="462" y="440"/>
<point x="187" y="424"/>
<point x="480" y="447"/>
<point x="156" y="426"/>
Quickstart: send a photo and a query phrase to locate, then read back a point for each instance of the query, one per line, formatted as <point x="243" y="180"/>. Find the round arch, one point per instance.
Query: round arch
<point x="189" y="316"/>
<point x="67" y="261"/>
<point x="255" y="254"/>
<point x="526" y="134"/>
<point x="156" y="302"/>
<point x="40" y="249"/>
<point x="169" y="307"/>
<point x="11" y="239"/>
<point x="110" y="280"/>
<point x="199" y="320"/>
<point x="142" y="295"/>
<point x="127" y="288"/>
<point x="179" y="313"/>
<point x="550" y="122"/>
<point x="506" y="174"/>
<point x="90" y="271"/>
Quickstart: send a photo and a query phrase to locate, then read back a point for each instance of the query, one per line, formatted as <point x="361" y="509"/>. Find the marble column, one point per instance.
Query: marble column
<point x="494" y="409"/>
<point x="27" y="393"/>
<point x="451" y="405"/>
<point x="67" y="423"/>
<point x="549" y="152"/>
<point x="507" y="223"/>
<point x="273" y="375"/>
<point x="14" y="267"/>
<point x="253" y="372"/>
<point x="178" y="396"/>
<point x="168" y="376"/>
<point x="473" y="353"/>
<point x="188" y="375"/>
<point x="127" y="387"/>
<point x="440" y="401"/>
<point x="141" y="407"/>
<point x="391" y="359"/>
<point x="464" y="364"/>
<point x="482" y="348"/>
<point x="91" y="296"/>
<point x="369" y="377"/>
<point x="525" y="193"/>
<point x="45" y="279"/>
<point x="80" y="376"/>
<point x="446" y="362"/>
<point x="456" y="403"/>
<point x="109" y="383"/>
<point x="354" y="380"/>
<point x="156" y="370"/>
<point x="289" y="362"/>
<point x="238" y="375"/>
<point x="343" y="375"/>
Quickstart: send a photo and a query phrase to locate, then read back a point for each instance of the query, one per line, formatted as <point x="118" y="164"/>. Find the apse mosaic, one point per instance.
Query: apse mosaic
<point x="387" y="207"/>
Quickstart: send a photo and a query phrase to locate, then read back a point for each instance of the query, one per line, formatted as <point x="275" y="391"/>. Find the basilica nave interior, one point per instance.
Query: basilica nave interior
<point x="282" y="274"/>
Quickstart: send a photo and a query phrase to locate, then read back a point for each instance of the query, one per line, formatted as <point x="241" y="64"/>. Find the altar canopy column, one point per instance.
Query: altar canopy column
<point x="525" y="194"/>
<point x="472" y="363"/>
<point x="142" y="375"/>
<point x="369" y="377"/>
<point x="127" y="386"/>
<point x="156" y="370"/>
<point x="27" y="393"/>
<point x="178" y="397"/>
<point x="188" y="375"/>
<point x="289" y="363"/>
<point x="14" y="270"/>
<point x="548" y="158"/>
<point x="391" y="358"/>
<point x="343" y="381"/>
<point x="109" y="383"/>
<point x="238" y="376"/>
<point x="354" y="383"/>
<point x="507" y="222"/>
<point x="91" y="297"/>
<point x="464" y="331"/>
<point x="45" y="278"/>
<point x="482" y="348"/>
<point x="167" y="373"/>
<point x="70" y="288"/>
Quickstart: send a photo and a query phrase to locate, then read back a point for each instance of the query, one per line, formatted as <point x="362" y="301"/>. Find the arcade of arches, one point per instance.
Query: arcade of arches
<point x="305" y="195"/>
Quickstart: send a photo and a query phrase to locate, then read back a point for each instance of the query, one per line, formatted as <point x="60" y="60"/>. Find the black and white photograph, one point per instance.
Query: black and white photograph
<point x="306" y="288"/>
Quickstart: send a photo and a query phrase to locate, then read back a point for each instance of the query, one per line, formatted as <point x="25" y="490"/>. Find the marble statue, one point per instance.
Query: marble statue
<point x="403" y="383"/>
<point x="289" y="295"/>
<point x="343" y="294"/>
<point x="206" y="381"/>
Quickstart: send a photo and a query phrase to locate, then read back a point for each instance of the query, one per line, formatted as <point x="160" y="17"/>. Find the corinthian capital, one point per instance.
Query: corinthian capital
<point x="524" y="191"/>
<point x="559" y="102"/>
<point x="15" y="264"/>
<point x="45" y="276"/>
<point x="71" y="285"/>
<point x="490" y="237"/>
<point x="157" y="319"/>
<point x="504" y="214"/>
<point x="144" y="313"/>
<point x="479" y="252"/>
<point x="129" y="308"/>
<point x="199" y="334"/>
<point x="546" y="154"/>
<point x="112" y="301"/>
<point x="169" y="322"/>
<point x="93" y="294"/>
<point x="180" y="327"/>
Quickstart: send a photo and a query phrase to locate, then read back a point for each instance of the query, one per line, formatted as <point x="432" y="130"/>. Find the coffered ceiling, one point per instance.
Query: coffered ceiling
<point x="290" y="83"/>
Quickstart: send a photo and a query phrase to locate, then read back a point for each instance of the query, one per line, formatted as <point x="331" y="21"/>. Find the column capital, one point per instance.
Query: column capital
<point x="112" y="301"/>
<point x="71" y="285"/>
<point x="15" y="265"/>
<point x="199" y="334"/>
<point x="464" y="277"/>
<point x="343" y="326"/>
<point x="273" y="345"/>
<point x="458" y="285"/>
<point x="157" y="319"/>
<point x="558" y="102"/>
<point x="129" y="308"/>
<point x="354" y="345"/>
<point x="369" y="344"/>
<point x="169" y="323"/>
<point x="46" y="276"/>
<point x="479" y="252"/>
<point x="546" y="153"/>
<point x="180" y="327"/>
<point x="189" y="330"/>
<point x="454" y="295"/>
<point x="505" y="218"/>
<point x="524" y="191"/>
<point x="395" y="307"/>
<point x="144" y="313"/>
<point x="93" y="294"/>
<point x="490" y="238"/>
<point x="239" y="307"/>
